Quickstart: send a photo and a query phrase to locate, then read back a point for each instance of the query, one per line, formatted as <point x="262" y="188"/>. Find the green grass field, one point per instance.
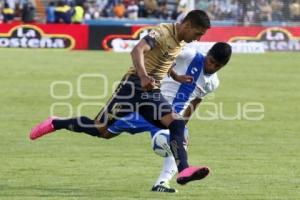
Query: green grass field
<point x="249" y="159"/>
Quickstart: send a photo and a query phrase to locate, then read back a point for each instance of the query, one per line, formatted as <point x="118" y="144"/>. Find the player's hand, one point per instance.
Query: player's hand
<point x="184" y="79"/>
<point x="147" y="82"/>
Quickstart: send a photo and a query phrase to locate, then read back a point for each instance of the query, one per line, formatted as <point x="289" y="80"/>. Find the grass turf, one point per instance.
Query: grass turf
<point x="249" y="159"/>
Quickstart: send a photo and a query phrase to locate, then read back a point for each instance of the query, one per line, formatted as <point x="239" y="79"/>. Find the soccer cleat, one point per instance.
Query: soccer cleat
<point x="163" y="187"/>
<point x="192" y="174"/>
<point x="42" y="128"/>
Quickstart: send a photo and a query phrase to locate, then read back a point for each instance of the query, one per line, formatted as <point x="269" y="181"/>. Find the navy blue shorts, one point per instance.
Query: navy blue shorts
<point x="129" y="97"/>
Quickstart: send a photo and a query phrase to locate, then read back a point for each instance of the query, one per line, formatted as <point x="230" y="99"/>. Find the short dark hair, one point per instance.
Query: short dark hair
<point x="198" y="18"/>
<point x="221" y="52"/>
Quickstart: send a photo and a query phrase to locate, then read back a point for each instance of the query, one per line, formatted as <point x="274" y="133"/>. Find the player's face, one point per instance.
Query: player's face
<point x="211" y="65"/>
<point x="193" y="33"/>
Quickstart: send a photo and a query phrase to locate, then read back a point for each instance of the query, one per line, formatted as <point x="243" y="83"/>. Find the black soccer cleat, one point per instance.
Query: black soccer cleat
<point x="163" y="187"/>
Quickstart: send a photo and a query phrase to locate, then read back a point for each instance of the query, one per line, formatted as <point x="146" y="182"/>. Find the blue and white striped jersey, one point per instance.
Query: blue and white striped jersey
<point x="189" y="62"/>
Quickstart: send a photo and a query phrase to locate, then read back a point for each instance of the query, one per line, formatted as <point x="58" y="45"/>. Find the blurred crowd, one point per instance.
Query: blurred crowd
<point x="251" y="11"/>
<point x="60" y="11"/>
<point x="76" y="11"/>
<point x="134" y="9"/>
<point x="24" y="9"/>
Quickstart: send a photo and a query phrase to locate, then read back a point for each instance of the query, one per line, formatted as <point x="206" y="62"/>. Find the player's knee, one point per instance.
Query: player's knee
<point x="103" y="131"/>
<point x="176" y="125"/>
<point x="106" y="135"/>
<point x="168" y="119"/>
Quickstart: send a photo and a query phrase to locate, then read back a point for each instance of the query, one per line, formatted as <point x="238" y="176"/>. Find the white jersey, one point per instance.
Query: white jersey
<point x="179" y="95"/>
<point x="189" y="62"/>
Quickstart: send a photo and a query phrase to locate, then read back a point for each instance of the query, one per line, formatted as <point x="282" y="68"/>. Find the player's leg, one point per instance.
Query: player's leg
<point x="186" y="172"/>
<point x="168" y="171"/>
<point x="176" y="126"/>
<point x="161" y="146"/>
<point x="82" y="124"/>
<point x="132" y="123"/>
<point x="158" y="111"/>
<point x="135" y="123"/>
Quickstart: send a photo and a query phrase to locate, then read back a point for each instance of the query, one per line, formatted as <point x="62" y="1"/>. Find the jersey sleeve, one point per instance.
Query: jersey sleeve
<point x="155" y="38"/>
<point x="211" y="84"/>
<point x="187" y="54"/>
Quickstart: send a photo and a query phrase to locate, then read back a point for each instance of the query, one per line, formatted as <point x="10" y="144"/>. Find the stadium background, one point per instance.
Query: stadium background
<point x="249" y="159"/>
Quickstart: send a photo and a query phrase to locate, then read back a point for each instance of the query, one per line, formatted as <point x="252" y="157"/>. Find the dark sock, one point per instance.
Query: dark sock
<point x="176" y="143"/>
<point x="79" y="124"/>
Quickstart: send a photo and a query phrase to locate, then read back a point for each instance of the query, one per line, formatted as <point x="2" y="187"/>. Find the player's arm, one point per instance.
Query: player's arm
<point x="191" y="109"/>
<point x="185" y="56"/>
<point x="137" y="55"/>
<point x="180" y="78"/>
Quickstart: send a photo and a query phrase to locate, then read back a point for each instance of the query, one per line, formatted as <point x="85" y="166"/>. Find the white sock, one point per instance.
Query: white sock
<point x="168" y="170"/>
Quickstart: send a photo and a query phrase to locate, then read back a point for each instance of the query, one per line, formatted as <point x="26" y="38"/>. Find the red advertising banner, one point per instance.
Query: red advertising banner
<point x="58" y="36"/>
<point x="255" y="39"/>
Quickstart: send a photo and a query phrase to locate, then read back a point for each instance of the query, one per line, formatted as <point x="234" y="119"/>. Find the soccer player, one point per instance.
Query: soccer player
<point x="139" y="91"/>
<point x="184" y="97"/>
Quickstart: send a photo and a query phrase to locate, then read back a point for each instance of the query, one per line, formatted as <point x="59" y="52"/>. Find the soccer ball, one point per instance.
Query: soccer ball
<point x="160" y="143"/>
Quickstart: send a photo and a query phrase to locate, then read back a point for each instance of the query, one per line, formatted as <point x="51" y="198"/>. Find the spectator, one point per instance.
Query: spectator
<point x="91" y="11"/>
<point x="295" y="10"/>
<point x="202" y="5"/>
<point x="28" y="12"/>
<point x="212" y="10"/>
<point x="13" y="3"/>
<point x="233" y="10"/>
<point x="225" y="9"/>
<point x="127" y="2"/>
<point x="151" y="8"/>
<point x="63" y="13"/>
<point x="163" y="12"/>
<point x="108" y="10"/>
<point x="132" y="10"/>
<point x="78" y="14"/>
<point x="242" y="12"/>
<point x="182" y="8"/>
<point x="1" y="6"/>
<point x="277" y="7"/>
<point x="142" y="9"/>
<point x="99" y="8"/>
<point x="251" y="12"/>
<point x="119" y="10"/>
<point x="50" y="13"/>
<point x="286" y="9"/>
<point x="8" y="13"/>
<point x="265" y="10"/>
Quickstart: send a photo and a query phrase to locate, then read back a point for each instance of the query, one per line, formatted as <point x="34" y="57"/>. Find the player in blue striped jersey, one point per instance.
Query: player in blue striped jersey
<point x="184" y="97"/>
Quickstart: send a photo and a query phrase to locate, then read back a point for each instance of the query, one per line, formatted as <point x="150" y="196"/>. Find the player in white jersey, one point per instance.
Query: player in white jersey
<point x="184" y="97"/>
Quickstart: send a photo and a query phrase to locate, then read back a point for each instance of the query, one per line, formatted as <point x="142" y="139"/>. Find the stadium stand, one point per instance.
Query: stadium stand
<point x="231" y="12"/>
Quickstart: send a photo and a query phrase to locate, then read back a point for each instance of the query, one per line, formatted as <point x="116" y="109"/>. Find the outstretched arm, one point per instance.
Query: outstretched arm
<point x="180" y="78"/>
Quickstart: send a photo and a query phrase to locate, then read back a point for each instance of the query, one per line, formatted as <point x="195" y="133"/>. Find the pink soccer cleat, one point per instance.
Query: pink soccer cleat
<point x="42" y="128"/>
<point x="192" y="174"/>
